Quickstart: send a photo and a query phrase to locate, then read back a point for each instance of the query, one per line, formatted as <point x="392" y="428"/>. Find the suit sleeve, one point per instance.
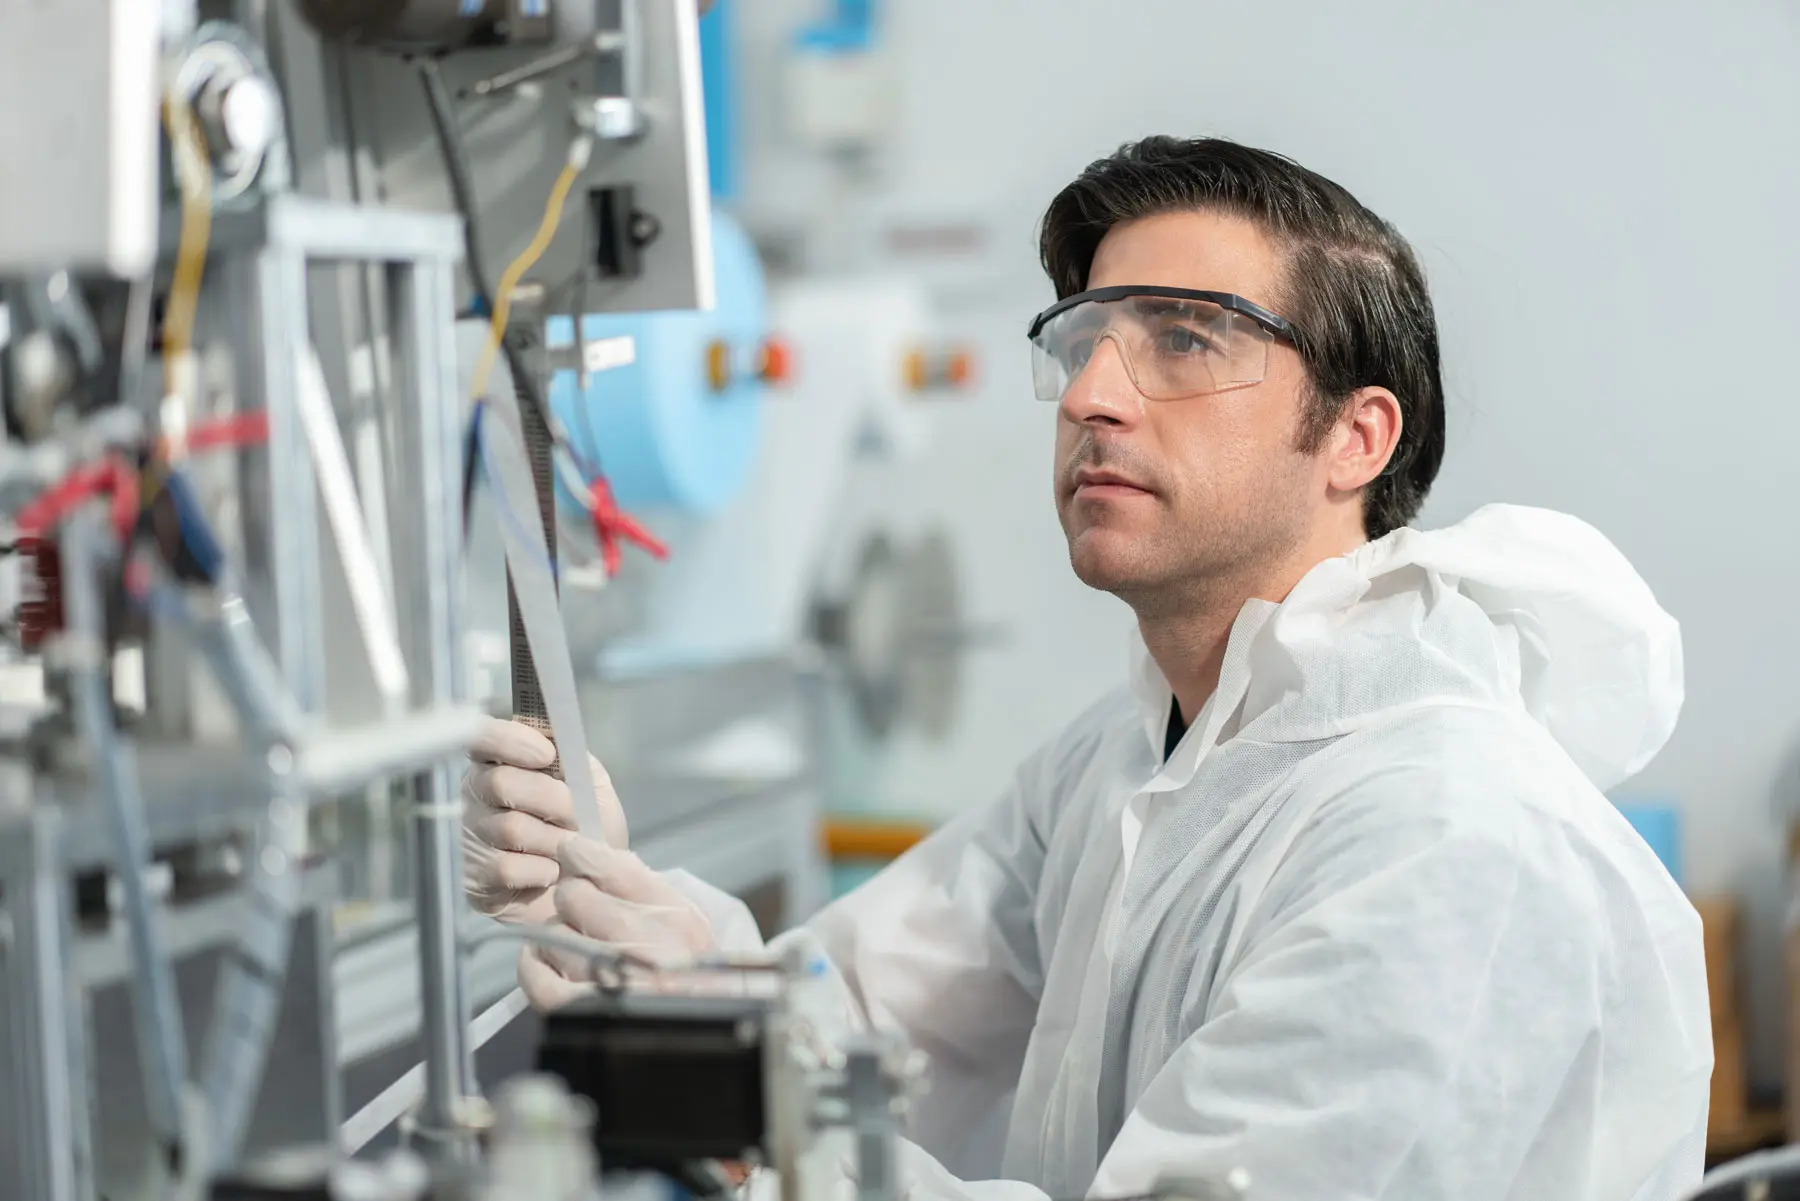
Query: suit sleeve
<point x="941" y="946"/>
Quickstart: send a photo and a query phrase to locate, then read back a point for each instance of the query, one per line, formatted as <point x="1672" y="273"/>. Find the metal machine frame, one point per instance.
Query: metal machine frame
<point x="102" y="805"/>
<point x="260" y="263"/>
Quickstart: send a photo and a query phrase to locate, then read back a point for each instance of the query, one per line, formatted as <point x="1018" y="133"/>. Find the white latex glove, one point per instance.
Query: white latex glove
<point x="515" y="818"/>
<point x="611" y="896"/>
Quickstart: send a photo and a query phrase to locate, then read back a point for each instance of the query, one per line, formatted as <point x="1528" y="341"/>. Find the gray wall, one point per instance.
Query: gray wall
<point x="1604" y="197"/>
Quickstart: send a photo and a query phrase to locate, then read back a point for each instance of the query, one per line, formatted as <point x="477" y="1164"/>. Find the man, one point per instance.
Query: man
<point x="1330" y="892"/>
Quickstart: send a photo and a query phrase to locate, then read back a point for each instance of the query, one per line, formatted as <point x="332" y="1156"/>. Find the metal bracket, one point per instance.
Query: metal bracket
<point x="611" y="118"/>
<point x="878" y="1078"/>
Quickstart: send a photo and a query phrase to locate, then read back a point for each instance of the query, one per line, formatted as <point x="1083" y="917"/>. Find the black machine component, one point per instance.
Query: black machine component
<point x="621" y="230"/>
<point x="672" y="1079"/>
<point x="93" y="906"/>
<point x="430" y="26"/>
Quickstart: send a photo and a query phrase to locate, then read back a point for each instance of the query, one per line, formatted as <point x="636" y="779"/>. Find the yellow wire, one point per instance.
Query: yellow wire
<point x="187" y="153"/>
<point x="515" y="271"/>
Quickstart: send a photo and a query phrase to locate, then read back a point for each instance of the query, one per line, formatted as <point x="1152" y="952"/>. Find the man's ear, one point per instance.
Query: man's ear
<point x="1367" y="434"/>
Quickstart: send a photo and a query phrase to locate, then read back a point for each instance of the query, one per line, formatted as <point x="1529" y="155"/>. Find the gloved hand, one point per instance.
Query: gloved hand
<point x="515" y="818"/>
<point x="612" y="896"/>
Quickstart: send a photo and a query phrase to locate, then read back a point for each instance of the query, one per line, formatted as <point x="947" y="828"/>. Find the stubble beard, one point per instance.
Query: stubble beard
<point x="1195" y="561"/>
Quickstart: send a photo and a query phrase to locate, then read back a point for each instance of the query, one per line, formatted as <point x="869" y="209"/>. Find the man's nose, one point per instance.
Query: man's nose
<point x="1102" y="393"/>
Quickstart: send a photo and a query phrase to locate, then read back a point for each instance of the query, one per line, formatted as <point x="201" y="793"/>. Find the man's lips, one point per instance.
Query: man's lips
<point x="1098" y="483"/>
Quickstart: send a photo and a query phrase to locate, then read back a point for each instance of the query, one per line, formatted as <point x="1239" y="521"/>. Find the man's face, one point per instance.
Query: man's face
<point x="1158" y="497"/>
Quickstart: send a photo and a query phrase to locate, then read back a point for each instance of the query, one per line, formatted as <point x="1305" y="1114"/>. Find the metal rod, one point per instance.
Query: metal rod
<point x="46" y="1091"/>
<point x="404" y="1093"/>
<point x="226" y="638"/>
<point x="248" y="988"/>
<point x="281" y="528"/>
<point x="281" y="525"/>
<point x="537" y="68"/>
<point x="350" y="530"/>
<point x="427" y="584"/>
<point x="252" y="972"/>
<point x="443" y="996"/>
<point x="323" y="231"/>
<point x="156" y="1007"/>
<point x="337" y="760"/>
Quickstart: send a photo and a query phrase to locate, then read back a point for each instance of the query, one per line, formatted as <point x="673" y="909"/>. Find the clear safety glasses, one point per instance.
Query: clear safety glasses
<point x="1175" y="342"/>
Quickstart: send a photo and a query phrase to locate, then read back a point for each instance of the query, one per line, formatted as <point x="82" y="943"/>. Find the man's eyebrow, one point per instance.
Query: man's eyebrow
<point x="1164" y="306"/>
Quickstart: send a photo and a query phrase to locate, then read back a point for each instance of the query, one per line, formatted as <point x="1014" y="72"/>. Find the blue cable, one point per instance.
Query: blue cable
<point x="196" y="532"/>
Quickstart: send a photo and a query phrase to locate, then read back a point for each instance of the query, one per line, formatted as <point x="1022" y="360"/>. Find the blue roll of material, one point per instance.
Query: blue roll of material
<point x="1658" y="823"/>
<point x="652" y="417"/>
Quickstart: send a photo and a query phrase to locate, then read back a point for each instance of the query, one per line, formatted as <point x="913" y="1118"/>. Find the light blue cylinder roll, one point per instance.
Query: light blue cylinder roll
<point x="663" y="435"/>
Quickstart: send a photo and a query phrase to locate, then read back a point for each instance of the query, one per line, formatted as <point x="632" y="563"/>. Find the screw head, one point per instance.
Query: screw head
<point x="645" y="228"/>
<point x="248" y="115"/>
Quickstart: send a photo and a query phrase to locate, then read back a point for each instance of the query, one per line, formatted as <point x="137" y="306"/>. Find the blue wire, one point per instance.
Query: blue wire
<point x="196" y="533"/>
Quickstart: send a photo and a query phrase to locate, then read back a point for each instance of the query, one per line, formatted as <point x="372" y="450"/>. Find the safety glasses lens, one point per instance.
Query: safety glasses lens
<point x="1171" y="348"/>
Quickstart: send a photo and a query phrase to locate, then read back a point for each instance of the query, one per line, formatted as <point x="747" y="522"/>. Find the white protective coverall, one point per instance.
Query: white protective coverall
<point x="1373" y="931"/>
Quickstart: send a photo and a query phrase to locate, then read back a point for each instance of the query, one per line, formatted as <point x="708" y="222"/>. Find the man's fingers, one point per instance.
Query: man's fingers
<point x="514" y="743"/>
<point x="513" y="830"/>
<point x="535" y="908"/>
<point x="522" y="873"/>
<point x="523" y="789"/>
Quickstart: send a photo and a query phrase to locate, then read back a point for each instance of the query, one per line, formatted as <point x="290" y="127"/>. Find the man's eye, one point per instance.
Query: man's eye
<point x="1176" y="339"/>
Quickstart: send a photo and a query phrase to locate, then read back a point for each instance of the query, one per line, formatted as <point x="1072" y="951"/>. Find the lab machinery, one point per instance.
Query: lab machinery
<point x="267" y="402"/>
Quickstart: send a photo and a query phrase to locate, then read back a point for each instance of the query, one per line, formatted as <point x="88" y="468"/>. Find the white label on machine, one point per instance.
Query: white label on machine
<point x="603" y="354"/>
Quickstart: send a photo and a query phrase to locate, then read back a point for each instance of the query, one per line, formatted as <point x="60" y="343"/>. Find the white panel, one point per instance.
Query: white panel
<point x="78" y="135"/>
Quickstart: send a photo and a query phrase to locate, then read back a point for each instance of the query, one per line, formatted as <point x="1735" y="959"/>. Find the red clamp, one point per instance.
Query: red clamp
<point x="611" y="524"/>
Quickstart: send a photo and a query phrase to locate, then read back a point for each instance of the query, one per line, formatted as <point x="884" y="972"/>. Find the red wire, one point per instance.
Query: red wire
<point x="233" y="429"/>
<point x="612" y="525"/>
<point x="125" y="499"/>
<point x="81" y="484"/>
<point x="115" y="476"/>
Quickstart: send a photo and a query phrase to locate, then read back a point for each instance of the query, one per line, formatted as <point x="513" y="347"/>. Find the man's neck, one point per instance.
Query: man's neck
<point x="1190" y="651"/>
<point x="1187" y="638"/>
